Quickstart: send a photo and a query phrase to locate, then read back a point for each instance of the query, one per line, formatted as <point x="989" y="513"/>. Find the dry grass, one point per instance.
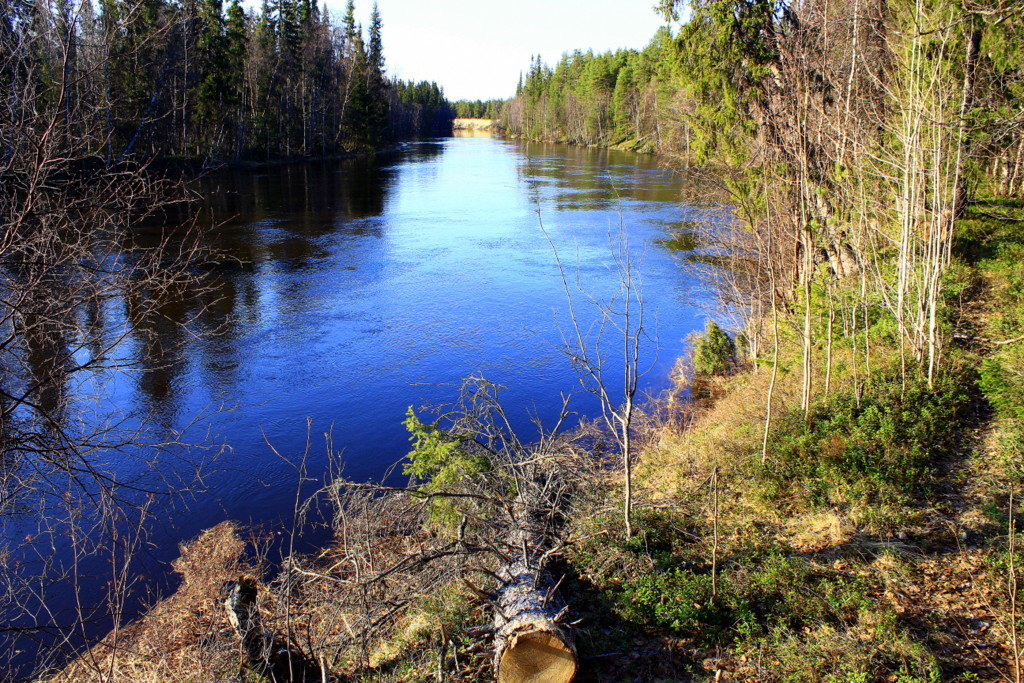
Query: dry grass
<point x="185" y="637"/>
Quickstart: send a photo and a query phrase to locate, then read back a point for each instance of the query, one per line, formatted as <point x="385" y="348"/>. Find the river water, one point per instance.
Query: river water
<point x="352" y="290"/>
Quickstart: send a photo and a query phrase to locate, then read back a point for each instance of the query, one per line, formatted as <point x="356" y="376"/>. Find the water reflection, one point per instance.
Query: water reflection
<point x="570" y="173"/>
<point x="366" y="278"/>
<point x="339" y="286"/>
<point x="347" y="291"/>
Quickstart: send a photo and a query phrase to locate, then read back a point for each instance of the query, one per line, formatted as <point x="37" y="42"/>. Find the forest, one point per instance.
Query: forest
<point x="830" y="489"/>
<point x="189" y="79"/>
<point x="478" y="109"/>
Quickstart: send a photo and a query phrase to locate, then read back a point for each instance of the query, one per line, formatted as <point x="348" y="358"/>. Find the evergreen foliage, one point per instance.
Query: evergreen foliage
<point x="478" y="109"/>
<point x="207" y="78"/>
<point x="420" y="110"/>
<point x="443" y="461"/>
<point x="598" y="98"/>
<point x="714" y="352"/>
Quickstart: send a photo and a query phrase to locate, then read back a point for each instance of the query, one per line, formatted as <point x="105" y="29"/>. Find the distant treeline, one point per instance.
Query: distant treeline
<point x="702" y="91"/>
<point x="195" y="78"/>
<point x="421" y="110"/>
<point x="479" y="109"/>
<point x="599" y="99"/>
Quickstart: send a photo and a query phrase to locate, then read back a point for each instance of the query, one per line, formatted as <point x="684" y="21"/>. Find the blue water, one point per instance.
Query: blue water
<point x="349" y="291"/>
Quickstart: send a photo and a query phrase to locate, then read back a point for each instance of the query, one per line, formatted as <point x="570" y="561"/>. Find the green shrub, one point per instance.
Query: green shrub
<point x="800" y="619"/>
<point x="886" y="444"/>
<point x="657" y="535"/>
<point x="763" y="593"/>
<point x="714" y="352"/>
<point x="676" y="599"/>
<point x="444" y="461"/>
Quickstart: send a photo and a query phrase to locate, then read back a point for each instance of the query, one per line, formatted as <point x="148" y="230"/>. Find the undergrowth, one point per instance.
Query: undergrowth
<point x="884" y="446"/>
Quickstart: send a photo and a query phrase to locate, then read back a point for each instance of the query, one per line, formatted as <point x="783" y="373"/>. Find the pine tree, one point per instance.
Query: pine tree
<point x="236" y="42"/>
<point x="136" y="62"/>
<point x="357" y="117"/>
<point x="348" y="23"/>
<point x="263" y="59"/>
<point x="624" y="102"/>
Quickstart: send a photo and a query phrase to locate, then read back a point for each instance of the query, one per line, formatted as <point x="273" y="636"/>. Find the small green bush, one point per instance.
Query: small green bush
<point x="676" y="599"/>
<point x="798" y="618"/>
<point x="1002" y="382"/>
<point x="887" y="444"/>
<point x="443" y="461"/>
<point x="657" y="535"/>
<point x="764" y="593"/>
<point x="714" y="352"/>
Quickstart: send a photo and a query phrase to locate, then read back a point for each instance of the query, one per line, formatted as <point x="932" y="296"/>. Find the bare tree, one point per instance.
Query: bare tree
<point x="622" y="318"/>
<point x="86" y="264"/>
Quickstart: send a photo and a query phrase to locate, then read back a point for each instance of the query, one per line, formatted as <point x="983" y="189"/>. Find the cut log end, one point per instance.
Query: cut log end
<point x="540" y="655"/>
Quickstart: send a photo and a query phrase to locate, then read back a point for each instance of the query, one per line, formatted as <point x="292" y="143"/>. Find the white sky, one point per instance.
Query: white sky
<point x="476" y="50"/>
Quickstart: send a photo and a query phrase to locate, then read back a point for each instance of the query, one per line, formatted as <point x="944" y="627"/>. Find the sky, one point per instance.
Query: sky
<point x="476" y="49"/>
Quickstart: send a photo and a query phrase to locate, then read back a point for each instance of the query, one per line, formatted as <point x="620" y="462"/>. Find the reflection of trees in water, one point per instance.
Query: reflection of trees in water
<point x="44" y="333"/>
<point x="35" y="362"/>
<point x="228" y="312"/>
<point x="158" y="319"/>
<point x="588" y="178"/>
<point x="312" y="195"/>
<point x="272" y="228"/>
<point x="69" y="253"/>
<point x="62" y="334"/>
<point x="277" y="219"/>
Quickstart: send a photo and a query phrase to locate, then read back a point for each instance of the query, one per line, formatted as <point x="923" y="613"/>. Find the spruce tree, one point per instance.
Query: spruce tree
<point x="348" y="23"/>
<point x="235" y="43"/>
<point x="236" y="40"/>
<point x="211" y="94"/>
<point x="623" y="102"/>
<point x="356" y="123"/>
<point x="376" y="85"/>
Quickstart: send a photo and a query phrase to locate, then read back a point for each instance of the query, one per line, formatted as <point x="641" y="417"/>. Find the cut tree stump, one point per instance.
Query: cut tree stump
<point x="530" y="644"/>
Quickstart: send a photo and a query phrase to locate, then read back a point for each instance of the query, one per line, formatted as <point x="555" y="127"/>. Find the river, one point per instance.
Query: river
<point x="349" y="291"/>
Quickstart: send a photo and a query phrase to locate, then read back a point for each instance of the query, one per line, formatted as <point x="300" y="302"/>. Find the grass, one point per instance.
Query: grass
<point x="185" y="637"/>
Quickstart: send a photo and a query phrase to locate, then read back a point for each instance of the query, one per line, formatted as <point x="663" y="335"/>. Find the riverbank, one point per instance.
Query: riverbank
<point x="866" y="542"/>
<point x="870" y="540"/>
<point x="198" y="165"/>
<point x="635" y="145"/>
<point x="349" y="278"/>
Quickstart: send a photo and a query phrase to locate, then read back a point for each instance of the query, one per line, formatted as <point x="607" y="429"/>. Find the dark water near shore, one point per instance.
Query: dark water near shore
<point x="359" y="288"/>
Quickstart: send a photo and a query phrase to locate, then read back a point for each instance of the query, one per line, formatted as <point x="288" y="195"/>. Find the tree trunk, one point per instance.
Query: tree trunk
<point x="240" y="605"/>
<point x="529" y="642"/>
<point x="266" y="654"/>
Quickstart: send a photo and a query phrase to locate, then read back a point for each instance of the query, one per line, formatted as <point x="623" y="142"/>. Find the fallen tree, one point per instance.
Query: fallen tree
<point x="531" y="642"/>
<point x="483" y="514"/>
